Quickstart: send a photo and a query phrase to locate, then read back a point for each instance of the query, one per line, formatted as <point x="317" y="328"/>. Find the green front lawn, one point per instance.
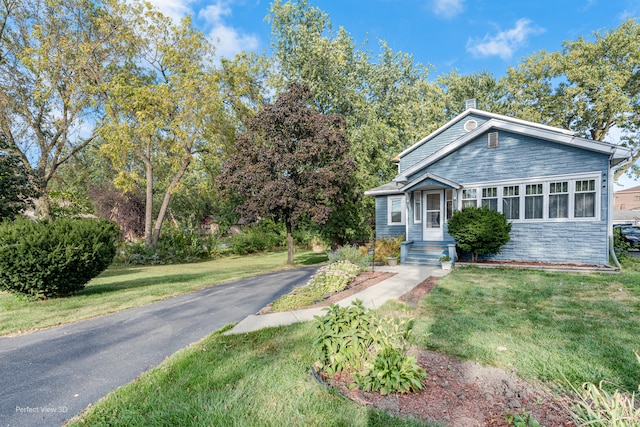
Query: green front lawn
<point x="256" y="379"/>
<point x="123" y="287"/>
<point x="553" y="327"/>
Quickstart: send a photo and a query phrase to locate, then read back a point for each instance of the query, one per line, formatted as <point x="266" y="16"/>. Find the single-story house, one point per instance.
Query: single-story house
<point x="555" y="188"/>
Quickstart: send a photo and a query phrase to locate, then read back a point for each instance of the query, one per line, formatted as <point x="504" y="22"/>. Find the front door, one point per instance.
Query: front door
<point x="433" y="215"/>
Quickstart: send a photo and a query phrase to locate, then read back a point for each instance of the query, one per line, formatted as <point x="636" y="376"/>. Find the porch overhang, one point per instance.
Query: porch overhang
<point x="430" y="178"/>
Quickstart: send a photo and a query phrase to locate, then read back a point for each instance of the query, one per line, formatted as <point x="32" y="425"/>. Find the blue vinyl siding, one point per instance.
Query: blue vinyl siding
<point x="383" y="229"/>
<point x="516" y="157"/>
<point x="557" y="242"/>
<point x="438" y="142"/>
<point x="550" y="241"/>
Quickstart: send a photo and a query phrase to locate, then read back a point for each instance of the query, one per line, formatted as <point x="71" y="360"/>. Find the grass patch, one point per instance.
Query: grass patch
<point x="123" y="287"/>
<point x="255" y="379"/>
<point x="555" y="327"/>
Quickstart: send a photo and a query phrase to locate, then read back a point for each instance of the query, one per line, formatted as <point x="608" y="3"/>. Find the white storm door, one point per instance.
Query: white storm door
<point x="433" y="215"/>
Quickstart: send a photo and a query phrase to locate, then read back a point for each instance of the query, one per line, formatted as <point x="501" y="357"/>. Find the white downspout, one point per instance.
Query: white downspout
<point x="612" y="252"/>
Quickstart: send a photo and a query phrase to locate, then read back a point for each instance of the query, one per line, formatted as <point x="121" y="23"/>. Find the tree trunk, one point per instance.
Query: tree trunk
<point x="167" y="198"/>
<point x="289" y="244"/>
<point x="148" y="209"/>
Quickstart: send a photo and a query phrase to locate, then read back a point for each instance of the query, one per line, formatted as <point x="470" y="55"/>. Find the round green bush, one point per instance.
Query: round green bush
<point x="56" y="258"/>
<point x="479" y="230"/>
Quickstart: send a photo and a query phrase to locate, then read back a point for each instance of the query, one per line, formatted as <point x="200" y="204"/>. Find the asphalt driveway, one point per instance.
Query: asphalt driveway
<point x="49" y="376"/>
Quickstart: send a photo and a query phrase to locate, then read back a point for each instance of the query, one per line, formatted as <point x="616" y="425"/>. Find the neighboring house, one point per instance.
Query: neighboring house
<point x="627" y="200"/>
<point x="554" y="187"/>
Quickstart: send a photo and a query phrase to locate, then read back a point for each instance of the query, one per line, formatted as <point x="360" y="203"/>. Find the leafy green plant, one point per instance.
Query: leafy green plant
<point x="522" y="419"/>
<point x="343" y="337"/>
<point x="479" y="230"/>
<point x="372" y="349"/>
<point x="351" y="254"/>
<point x="389" y="369"/>
<point x="45" y="259"/>
<point x="329" y="279"/>
<point x="601" y="408"/>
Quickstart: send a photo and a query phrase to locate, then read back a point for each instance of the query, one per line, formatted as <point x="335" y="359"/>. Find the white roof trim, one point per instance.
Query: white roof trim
<point x="487" y="114"/>
<point x="545" y="133"/>
<point x="437" y="178"/>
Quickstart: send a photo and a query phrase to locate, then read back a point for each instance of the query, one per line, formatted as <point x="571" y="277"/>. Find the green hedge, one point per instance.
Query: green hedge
<point x="57" y="258"/>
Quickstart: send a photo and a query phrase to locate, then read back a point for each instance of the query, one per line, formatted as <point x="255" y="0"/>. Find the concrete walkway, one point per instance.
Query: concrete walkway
<point x="406" y="278"/>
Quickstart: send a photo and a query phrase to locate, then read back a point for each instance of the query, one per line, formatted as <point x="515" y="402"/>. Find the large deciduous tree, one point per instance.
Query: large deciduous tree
<point x="291" y="164"/>
<point x="590" y="87"/>
<point x="54" y="54"/>
<point x="163" y="110"/>
<point x="385" y="100"/>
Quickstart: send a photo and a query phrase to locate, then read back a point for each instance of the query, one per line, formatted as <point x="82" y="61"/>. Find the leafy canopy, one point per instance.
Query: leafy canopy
<point x="290" y="164"/>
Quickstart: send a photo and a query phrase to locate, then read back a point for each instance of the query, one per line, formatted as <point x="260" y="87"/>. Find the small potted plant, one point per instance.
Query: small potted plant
<point x="445" y="261"/>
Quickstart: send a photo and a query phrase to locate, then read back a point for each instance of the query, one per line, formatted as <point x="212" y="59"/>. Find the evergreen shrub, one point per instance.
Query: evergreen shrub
<point x="479" y="230"/>
<point x="44" y="259"/>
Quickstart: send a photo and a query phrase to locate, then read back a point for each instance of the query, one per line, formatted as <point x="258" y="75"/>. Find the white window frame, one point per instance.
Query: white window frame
<point x="464" y="199"/>
<point x="390" y="200"/>
<point x="545" y="181"/>
<point x="417" y="207"/>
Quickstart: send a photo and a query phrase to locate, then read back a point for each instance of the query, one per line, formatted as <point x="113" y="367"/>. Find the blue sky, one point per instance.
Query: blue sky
<point x="467" y="35"/>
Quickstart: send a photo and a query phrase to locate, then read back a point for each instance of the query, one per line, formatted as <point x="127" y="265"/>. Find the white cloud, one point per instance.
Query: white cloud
<point x="448" y="8"/>
<point x="505" y="43"/>
<point x="228" y="40"/>
<point x="174" y="9"/>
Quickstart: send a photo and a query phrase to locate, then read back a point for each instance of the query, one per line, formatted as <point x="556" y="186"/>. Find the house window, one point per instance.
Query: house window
<point x="585" y="199"/>
<point x="511" y="201"/>
<point x="395" y="210"/>
<point x="559" y="199"/>
<point x="533" y="201"/>
<point x="469" y="198"/>
<point x="636" y="198"/>
<point x="490" y="198"/>
<point x="448" y="196"/>
<point x="417" y="207"/>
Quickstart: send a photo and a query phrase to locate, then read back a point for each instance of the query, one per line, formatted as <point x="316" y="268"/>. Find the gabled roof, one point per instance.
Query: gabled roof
<point x="396" y="187"/>
<point x="561" y="136"/>
<point x="630" y="190"/>
<point x="482" y="113"/>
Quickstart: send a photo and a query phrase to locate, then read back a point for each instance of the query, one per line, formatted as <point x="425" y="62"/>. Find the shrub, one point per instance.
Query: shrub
<point x="372" y="349"/>
<point x="387" y="247"/>
<point x="329" y="279"/>
<point x="479" y="230"/>
<point x="54" y="258"/>
<point x="351" y="254"/>
<point x="264" y="236"/>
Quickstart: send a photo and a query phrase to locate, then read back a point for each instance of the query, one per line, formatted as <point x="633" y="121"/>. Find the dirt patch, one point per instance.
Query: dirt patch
<point x="462" y="393"/>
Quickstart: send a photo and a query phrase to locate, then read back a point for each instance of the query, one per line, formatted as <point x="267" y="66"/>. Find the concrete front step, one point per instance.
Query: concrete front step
<point x="426" y="253"/>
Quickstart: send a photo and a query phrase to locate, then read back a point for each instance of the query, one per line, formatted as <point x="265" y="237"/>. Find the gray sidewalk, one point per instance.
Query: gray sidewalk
<point x="406" y="278"/>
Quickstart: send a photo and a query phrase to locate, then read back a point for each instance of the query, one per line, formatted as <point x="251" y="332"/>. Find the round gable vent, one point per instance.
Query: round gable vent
<point x="470" y="125"/>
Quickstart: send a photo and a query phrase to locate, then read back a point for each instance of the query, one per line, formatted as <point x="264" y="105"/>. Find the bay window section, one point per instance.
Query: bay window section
<point x="559" y="199"/>
<point x="469" y="198"/>
<point x="490" y="198"/>
<point x="585" y="199"/>
<point x="533" y="201"/>
<point x="511" y="201"/>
